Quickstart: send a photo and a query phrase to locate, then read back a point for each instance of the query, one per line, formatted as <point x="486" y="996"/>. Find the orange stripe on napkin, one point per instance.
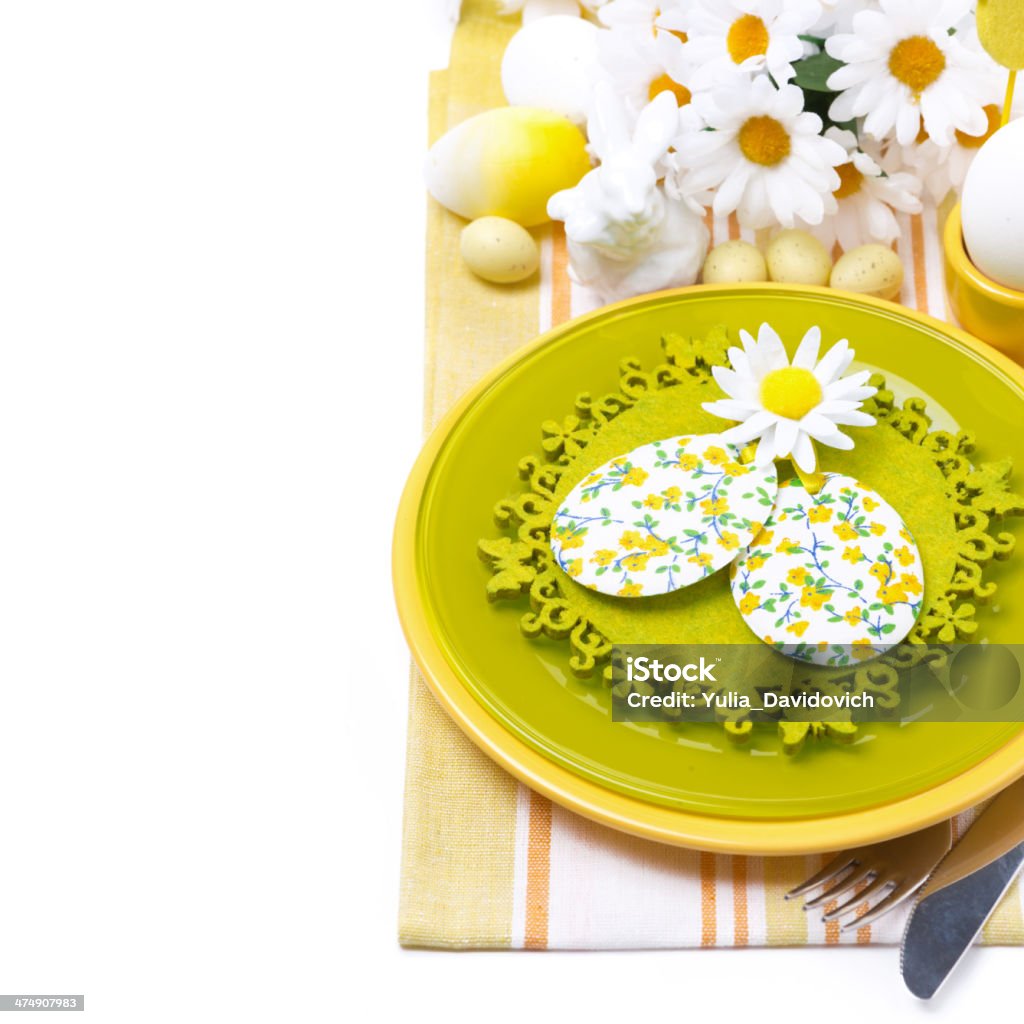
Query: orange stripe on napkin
<point x="538" y="872"/>
<point x="708" y="900"/>
<point x="561" y="287"/>
<point x="734" y="227"/>
<point x="920" y="276"/>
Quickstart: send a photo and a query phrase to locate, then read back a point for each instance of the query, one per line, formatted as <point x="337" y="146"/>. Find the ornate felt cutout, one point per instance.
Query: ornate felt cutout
<point x="661" y="517"/>
<point x="834" y="578"/>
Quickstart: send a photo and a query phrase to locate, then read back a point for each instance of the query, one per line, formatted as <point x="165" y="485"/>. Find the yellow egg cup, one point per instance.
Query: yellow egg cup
<point x="988" y="310"/>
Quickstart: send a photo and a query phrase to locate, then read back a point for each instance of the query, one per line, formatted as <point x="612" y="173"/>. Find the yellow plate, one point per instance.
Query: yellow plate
<point x="548" y="736"/>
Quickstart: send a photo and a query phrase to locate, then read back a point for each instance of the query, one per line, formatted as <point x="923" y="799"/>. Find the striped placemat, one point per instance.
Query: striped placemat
<point x="486" y="862"/>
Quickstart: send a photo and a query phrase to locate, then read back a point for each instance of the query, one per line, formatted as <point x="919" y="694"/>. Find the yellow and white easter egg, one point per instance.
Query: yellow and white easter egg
<point x="992" y="208"/>
<point x="506" y="162"/>
<point x="661" y="516"/>
<point x="834" y="578"/>
<point x="552" y="63"/>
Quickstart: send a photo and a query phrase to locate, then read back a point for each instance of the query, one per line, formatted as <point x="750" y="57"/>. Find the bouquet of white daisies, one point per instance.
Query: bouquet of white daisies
<point x="827" y="115"/>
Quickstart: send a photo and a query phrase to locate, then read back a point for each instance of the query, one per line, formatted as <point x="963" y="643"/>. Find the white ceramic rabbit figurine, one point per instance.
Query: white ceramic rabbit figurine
<point x="626" y="235"/>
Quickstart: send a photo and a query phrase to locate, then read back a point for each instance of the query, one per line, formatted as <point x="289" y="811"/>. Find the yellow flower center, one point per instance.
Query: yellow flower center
<point x="764" y="141"/>
<point x="849" y="181"/>
<point x="747" y="37"/>
<point x="993" y="113"/>
<point x="791" y="392"/>
<point x="663" y="83"/>
<point x="917" y="62"/>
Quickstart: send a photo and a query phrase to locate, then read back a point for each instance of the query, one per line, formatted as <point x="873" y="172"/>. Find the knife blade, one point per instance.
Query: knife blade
<point x="962" y="892"/>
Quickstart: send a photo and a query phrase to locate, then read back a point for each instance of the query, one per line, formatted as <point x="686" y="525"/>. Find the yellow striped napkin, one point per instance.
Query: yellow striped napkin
<point x="487" y="863"/>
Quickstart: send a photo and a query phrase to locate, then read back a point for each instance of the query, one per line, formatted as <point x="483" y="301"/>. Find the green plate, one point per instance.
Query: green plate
<point x="524" y="685"/>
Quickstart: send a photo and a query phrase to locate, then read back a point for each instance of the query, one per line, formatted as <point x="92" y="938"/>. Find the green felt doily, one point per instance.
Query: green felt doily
<point x="949" y="503"/>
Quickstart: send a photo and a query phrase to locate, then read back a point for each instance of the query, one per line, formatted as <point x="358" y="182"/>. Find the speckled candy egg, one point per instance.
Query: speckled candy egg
<point x="499" y="250"/>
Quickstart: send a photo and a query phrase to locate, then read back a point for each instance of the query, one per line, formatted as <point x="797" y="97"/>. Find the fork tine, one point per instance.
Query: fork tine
<point x="880" y="883"/>
<point x="847" y="883"/>
<point x="826" y="874"/>
<point x="884" y="905"/>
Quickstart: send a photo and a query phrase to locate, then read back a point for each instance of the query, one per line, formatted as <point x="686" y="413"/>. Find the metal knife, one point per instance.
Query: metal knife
<point x="962" y="892"/>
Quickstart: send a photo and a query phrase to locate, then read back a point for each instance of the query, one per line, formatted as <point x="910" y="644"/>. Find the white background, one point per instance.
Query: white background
<point x="211" y="237"/>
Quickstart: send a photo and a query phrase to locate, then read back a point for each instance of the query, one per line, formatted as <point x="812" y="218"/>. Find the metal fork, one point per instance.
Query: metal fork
<point x="896" y="868"/>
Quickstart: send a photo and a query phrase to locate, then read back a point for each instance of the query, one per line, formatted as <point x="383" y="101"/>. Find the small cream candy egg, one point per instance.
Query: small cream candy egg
<point x="870" y="270"/>
<point x="499" y="250"/>
<point x="734" y="263"/>
<point x="993" y="207"/>
<point x="552" y="63"/>
<point x="797" y="257"/>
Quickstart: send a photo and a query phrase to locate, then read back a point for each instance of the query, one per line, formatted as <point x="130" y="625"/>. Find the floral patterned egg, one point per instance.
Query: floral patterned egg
<point x="833" y="578"/>
<point x="662" y="516"/>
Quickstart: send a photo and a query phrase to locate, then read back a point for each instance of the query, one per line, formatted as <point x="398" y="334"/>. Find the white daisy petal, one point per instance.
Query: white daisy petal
<point x="786" y="431"/>
<point x="739" y="361"/>
<point x="830" y="366"/>
<point x="771" y="346"/>
<point x="766" y="453"/>
<point x="729" y="381"/>
<point x="807" y="351"/>
<point x="822" y="429"/>
<point x="729" y="409"/>
<point x="852" y="419"/>
<point x="828" y="407"/>
<point x="753" y="427"/>
<point x="803" y="453"/>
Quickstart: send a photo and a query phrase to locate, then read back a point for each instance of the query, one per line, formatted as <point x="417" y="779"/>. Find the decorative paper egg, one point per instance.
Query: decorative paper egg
<point x="661" y="517"/>
<point x="552" y="63"/>
<point x="993" y="207"/>
<point x="834" y="578"/>
<point x="506" y="162"/>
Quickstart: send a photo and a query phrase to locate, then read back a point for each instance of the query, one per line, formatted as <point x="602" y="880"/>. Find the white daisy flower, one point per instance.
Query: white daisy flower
<point x="730" y="36"/>
<point x="641" y="65"/>
<point x="866" y="198"/>
<point x="788" y="406"/>
<point x="943" y="168"/>
<point x="765" y="158"/>
<point x="902" y="66"/>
